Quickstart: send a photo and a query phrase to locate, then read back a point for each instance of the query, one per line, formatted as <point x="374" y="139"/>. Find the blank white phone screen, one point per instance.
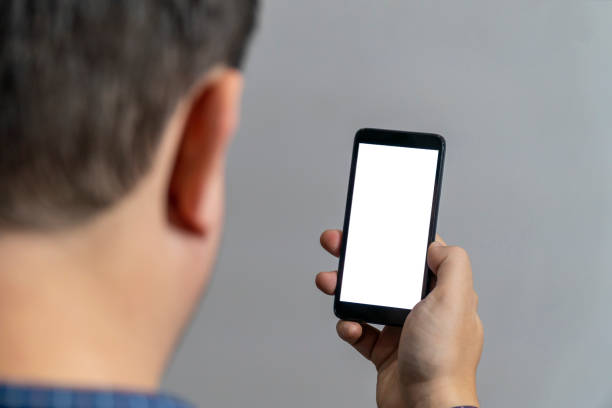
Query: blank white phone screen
<point x="388" y="232"/>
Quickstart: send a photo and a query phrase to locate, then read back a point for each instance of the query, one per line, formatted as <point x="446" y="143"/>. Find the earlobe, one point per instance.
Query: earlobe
<point x="195" y="190"/>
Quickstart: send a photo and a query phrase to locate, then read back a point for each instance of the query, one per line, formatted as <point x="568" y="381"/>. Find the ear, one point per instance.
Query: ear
<point x="193" y="194"/>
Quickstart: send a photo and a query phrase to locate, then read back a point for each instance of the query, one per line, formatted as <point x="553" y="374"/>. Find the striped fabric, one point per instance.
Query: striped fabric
<point x="25" y="396"/>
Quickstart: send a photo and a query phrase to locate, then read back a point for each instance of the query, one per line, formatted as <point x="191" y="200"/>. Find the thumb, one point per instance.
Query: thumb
<point x="451" y="265"/>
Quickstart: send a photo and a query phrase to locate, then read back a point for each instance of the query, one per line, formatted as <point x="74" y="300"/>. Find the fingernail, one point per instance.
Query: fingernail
<point x="436" y="243"/>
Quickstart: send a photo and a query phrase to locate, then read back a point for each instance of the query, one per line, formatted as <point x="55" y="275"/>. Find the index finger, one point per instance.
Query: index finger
<point x="330" y="241"/>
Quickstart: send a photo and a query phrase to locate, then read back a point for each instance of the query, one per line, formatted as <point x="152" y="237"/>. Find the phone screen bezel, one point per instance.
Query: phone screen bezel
<point x="383" y="314"/>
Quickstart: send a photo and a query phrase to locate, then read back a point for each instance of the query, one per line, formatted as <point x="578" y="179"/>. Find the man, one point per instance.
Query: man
<point x="114" y="126"/>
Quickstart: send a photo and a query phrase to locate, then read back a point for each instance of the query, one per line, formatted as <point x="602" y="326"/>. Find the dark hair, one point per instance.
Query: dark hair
<point x="85" y="89"/>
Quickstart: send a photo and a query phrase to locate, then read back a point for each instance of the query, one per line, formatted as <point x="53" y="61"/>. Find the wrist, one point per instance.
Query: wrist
<point x="441" y="394"/>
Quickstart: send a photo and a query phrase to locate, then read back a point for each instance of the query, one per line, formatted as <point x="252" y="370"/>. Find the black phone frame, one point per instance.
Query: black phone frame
<point x="361" y="312"/>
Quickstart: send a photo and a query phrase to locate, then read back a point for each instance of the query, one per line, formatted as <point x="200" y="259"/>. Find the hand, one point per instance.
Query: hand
<point x="431" y="361"/>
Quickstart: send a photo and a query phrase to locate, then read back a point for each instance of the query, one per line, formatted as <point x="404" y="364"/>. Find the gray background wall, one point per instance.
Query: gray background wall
<point x="522" y="90"/>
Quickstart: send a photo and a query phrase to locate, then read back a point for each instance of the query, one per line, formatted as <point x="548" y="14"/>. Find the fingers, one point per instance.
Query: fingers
<point x="330" y="241"/>
<point x="439" y="239"/>
<point x="451" y="264"/>
<point x="326" y="282"/>
<point x="386" y="345"/>
<point x="349" y="331"/>
<point x="362" y="337"/>
<point x="375" y="345"/>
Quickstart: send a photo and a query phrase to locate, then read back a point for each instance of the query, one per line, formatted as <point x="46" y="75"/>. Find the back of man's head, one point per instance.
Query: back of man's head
<point x="85" y="89"/>
<point x="115" y="120"/>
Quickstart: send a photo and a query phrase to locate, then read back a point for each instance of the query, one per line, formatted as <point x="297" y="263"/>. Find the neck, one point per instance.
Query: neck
<point x="68" y="316"/>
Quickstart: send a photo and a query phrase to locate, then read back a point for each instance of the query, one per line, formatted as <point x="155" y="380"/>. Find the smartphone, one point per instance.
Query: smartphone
<point x="390" y="220"/>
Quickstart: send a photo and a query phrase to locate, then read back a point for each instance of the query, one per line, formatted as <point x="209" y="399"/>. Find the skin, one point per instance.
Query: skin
<point x="432" y="360"/>
<point x="103" y="304"/>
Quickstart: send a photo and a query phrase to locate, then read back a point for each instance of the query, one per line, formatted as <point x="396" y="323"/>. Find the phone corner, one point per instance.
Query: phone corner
<point x="441" y="139"/>
<point x="361" y="132"/>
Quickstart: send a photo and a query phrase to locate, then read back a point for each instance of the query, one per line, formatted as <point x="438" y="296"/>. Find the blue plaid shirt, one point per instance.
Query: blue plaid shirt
<point x="26" y="396"/>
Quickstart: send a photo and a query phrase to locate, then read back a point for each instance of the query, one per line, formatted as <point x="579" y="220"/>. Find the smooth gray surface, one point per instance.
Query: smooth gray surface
<point x="522" y="91"/>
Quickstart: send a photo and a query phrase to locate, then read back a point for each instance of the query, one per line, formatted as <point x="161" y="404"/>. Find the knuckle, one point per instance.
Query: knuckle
<point x="458" y="252"/>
